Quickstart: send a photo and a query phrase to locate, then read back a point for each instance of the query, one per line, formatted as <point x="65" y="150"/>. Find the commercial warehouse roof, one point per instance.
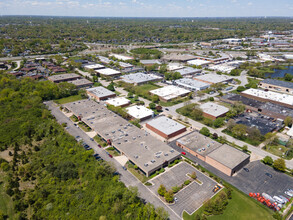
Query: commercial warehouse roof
<point x="100" y="91"/>
<point x="188" y="71"/>
<point x="228" y="156"/>
<point x="139" y="111"/>
<point x="174" y="66"/>
<point x="121" y="57"/>
<point x="81" y="82"/>
<point x="66" y="76"/>
<point x="108" y="72"/>
<point x="140" y="147"/>
<point x="214" y="109"/>
<point x="125" y="65"/>
<point x="278" y="83"/>
<point x="104" y="59"/>
<point x="118" y="101"/>
<point x="139" y="78"/>
<point x="170" y="92"/>
<point x="178" y="57"/>
<point x="166" y="125"/>
<point x="192" y="84"/>
<point x="213" y="78"/>
<point x="150" y="62"/>
<point x="199" y="143"/>
<point x="94" y="66"/>
<point x="198" y="62"/>
<point x="269" y="95"/>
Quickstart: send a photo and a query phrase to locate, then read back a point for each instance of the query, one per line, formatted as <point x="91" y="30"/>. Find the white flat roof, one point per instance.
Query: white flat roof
<point x="192" y="84"/>
<point x="125" y="65"/>
<point x="118" y="101"/>
<point x="198" y="62"/>
<point x="100" y="91"/>
<point x="166" y="125"/>
<point x="222" y="67"/>
<point x="269" y="95"/>
<point x="121" y="57"/>
<point x="108" y="72"/>
<point x="140" y="78"/>
<point x="170" y="92"/>
<point x="188" y="71"/>
<point x="214" y="109"/>
<point x="213" y="78"/>
<point x="174" y="66"/>
<point x="94" y="66"/>
<point x="139" y="111"/>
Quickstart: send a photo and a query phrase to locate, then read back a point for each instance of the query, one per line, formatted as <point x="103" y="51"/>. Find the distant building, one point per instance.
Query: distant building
<point x="277" y="85"/>
<point x="64" y="77"/>
<point x="166" y="127"/>
<point x="191" y="84"/>
<point x="197" y="62"/>
<point x="119" y="102"/>
<point x="178" y="57"/>
<point x="214" y="78"/>
<point x="108" y="72"/>
<point x="174" y="66"/>
<point x="100" y="93"/>
<point x="121" y="57"/>
<point x="222" y="157"/>
<point x="150" y="62"/>
<point x="168" y="93"/>
<point x="125" y="65"/>
<point x="140" y="78"/>
<point x="104" y="60"/>
<point x="81" y="83"/>
<point x="140" y="112"/>
<point x="188" y="71"/>
<point x="94" y="66"/>
<point x="213" y="111"/>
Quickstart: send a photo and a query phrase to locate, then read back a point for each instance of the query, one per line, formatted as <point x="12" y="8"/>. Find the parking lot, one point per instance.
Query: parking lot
<point x="192" y="196"/>
<point x="253" y="181"/>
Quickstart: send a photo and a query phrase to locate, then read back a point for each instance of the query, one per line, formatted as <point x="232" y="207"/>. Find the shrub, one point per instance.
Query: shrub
<point x="186" y="182"/>
<point x="162" y="190"/>
<point x="268" y="160"/>
<point x="169" y="196"/>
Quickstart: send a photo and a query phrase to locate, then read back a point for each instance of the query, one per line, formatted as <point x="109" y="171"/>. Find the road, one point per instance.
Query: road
<point x="126" y="177"/>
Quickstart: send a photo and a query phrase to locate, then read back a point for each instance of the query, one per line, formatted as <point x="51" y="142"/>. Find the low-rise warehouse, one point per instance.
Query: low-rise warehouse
<point x="64" y="77"/>
<point x="223" y="157"/>
<point x="188" y="71"/>
<point x="108" y="72"/>
<point x="148" y="153"/>
<point x="121" y="57"/>
<point x="140" y="112"/>
<point x="178" y="57"/>
<point x="278" y="85"/>
<point x="214" y="78"/>
<point x="118" y="102"/>
<point x="213" y="111"/>
<point x="150" y="62"/>
<point x="197" y="62"/>
<point x="81" y="83"/>
<point x="227" y="159"/>
<point x="100" y="93"/>
<point x="168" y="93"/>
<point x="94" y="66"/>
<point x="166" y="127"/>
<point x="141" y="78"/>
<point x="269" y="96"/>
<point x="191" y="84"/>
<point x="174" y="66"/>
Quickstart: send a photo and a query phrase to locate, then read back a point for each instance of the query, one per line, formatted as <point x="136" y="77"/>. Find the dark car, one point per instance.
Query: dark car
<point x="166" y="109"/>
<point x="269" y="175"/>
<point x="247" y="170"/>
<point x="99" y="146"/>
<point x="96" y="155"/>
<point x="91" y="139"/>
<point x="110" y="155"/>
<point x="124" y="168"/>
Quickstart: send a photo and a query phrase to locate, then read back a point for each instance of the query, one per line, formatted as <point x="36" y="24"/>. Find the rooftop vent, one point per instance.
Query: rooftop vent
<point x="172" y="151"/>
<point x="153" y="161"/>
<point x="145" y="164"/>
<point x="157" y="156"/>
<point x="135" y="156"/>
<point x="166" y="154"/>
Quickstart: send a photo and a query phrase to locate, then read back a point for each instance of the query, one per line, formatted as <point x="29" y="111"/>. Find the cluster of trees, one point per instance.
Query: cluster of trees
<point x="168" y="195"/>
<point x="278" y="164"/>
<point x="217" y="206"/>
<point x="58" y="179"/>
<point x="144" y="53"/>
<point x="172" y="75"/>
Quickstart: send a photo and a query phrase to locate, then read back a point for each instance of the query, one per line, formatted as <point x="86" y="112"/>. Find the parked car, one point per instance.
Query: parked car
<point x="247" y="170"/>
<point x="284" y="198"/>
<point x="166" y="109"/>
<point x="175" y="199"/>
<point x="124" y="168"/>
<point x="110" y="155"/>
<point x="99" y="146"/>
<point x="96" y="155"/>
<point x="288" y="193"/>
<point x="91" y="139"/>
<point x="269" y="175"/>
<point x="278" y="200"/>
<point x="216" y="188"/>
<point x="183" y="153"/>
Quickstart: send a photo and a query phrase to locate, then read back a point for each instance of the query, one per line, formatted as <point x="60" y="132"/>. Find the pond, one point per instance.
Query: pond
<point x="280" y="73"/>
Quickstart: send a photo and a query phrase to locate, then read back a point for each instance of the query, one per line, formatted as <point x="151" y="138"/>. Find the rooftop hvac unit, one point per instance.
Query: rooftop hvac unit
<point x="146" y="147"/>
<point x="203" y="149"/>
<point x="125" y="140"/>
<point x="172" y="151"/>
<point x="157" y="156"/>
<point x="153" y="161"/>
<point x="145" y="164"/>
<point x="166" y="154"/>
<point x="135" y="156"/>
<point x="133" y="138"/>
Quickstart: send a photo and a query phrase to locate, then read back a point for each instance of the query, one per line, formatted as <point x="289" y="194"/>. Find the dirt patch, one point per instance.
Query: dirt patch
<point x="5" y="155"/>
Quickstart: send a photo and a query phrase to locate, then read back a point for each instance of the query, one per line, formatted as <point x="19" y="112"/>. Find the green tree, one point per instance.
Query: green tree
<point x="268" y="160"/>
<point x="280" y="164"/>
<point x="169" y="196"/>
<point x="204" y="131"/>
<point x="239" y="131"/>
<point x="219" y="122"/>
<point x="245" y="148"/>
<point x="162" y="190"/>
<point x="288" y="121"/>
<point x="155" y="99"/>
<point x="152" y="105"/>
<point x="288" y="77"/>
<point x="111" y="87"/>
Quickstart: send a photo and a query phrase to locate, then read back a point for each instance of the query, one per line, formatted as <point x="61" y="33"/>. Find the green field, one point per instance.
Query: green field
<point x="240" y="207"/>
<point x="6" y="203"/>
<point x="69" y="99"/>
<point x="278" y="150"/>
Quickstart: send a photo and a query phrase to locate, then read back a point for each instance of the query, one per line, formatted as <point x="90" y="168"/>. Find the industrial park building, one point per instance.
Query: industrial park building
<point x="168" y="93"/>
<point x="277" y="85"/>
<point x="141" y="149"/>
<point x="214" y="78"/>
<point x="166" y="127"/>
<point x="64" y="77"/>
<point x="140" y="112"/>
<point x="140" y="78"/>
<point x="191" y="84"/>
<point x="223" y="157"/>
<point x="213" y="111"/>
<point x="81" y="83"/>
<point x="100" y="93"/>
<point x="118" y="102"/>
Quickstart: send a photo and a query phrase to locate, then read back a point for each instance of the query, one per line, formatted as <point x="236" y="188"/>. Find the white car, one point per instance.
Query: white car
<point x="175" y="199"/>
<point x="278" y="200"/>
<point x="288" y="193"/>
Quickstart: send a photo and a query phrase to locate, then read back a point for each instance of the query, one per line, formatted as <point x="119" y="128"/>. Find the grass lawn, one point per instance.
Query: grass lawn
<point x="6" y="203"/>
<point x="69" y="99"/>
<point x="84" y="127"/>
<point x="100" y="141"/>
<point x="278" y="150"/>
<point x="114" y="153"/>
<point x="136" y="173"/>
<point x="240" y="207"/>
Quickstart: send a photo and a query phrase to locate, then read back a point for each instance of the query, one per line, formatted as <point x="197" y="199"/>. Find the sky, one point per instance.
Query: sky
<point x="148" y="8"/>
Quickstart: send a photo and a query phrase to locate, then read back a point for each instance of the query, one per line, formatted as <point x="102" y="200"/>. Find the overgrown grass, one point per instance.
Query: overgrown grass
<point x="69" y="99"/>
<point x="6" y="203"/>
<point x="278" y="150"/>
<point x="84" y="127"/>
<point x="136" y="173"/>
<point x="100" y="141"/>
